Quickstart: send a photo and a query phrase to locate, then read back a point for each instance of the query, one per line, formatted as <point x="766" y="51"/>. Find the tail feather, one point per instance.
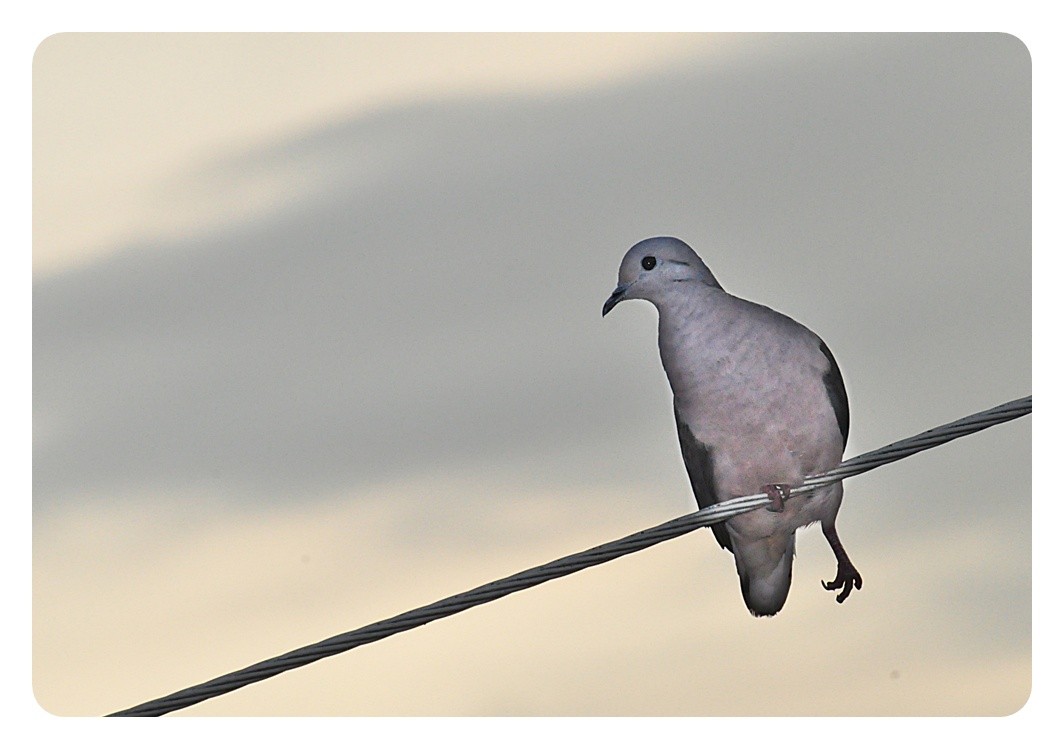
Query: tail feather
<point x="764" y="569"/>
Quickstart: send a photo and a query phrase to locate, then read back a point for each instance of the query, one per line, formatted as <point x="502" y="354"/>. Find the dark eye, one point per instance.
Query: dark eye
<point x="649" y="262"/>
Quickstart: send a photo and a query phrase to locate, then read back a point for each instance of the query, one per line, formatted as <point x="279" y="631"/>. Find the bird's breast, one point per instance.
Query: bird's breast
<point x="757" y="400"/>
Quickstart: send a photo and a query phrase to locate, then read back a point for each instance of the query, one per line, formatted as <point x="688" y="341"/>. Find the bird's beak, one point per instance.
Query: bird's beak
<point x="616" y="297"/>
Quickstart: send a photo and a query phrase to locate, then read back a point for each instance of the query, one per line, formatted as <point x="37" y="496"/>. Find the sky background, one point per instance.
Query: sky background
<point x="317" y="339"/>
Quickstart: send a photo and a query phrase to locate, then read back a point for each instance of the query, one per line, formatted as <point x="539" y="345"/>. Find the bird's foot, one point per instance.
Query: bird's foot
<point x="847" y="579"/>
<point x="778" y="493"/>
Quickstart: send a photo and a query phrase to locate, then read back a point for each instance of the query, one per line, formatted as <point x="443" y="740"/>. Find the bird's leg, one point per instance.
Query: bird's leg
<point x="778" y="493"/>
<point x="847" y="577"/>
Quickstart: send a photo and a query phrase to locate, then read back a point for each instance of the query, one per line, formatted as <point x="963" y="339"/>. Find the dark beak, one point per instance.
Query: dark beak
<point x="616" y="297"/>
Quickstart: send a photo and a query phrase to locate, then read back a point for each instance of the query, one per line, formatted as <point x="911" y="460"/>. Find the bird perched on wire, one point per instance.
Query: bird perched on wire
<point x="759" y="404"/>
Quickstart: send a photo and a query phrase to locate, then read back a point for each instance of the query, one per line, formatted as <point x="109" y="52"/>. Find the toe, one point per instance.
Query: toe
<point x="778" y="493"/>
<point x="845" y="592"/>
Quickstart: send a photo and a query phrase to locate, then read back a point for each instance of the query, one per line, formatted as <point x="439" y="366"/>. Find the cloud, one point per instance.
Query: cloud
<point x="409" y="350"/>
<point x="399" y="311"/>
<point x="661" y="632"/>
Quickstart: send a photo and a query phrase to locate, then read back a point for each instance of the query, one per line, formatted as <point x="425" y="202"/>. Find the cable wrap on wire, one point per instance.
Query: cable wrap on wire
<point x="573" y="563"/>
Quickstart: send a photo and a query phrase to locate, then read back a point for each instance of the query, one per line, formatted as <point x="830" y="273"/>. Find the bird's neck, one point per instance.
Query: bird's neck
<point x="695" y="336"/>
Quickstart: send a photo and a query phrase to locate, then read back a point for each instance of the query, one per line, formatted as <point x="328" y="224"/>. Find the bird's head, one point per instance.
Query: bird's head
<point x="651" y="269"/>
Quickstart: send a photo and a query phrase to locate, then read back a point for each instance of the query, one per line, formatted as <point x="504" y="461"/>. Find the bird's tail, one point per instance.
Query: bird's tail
<point x="765" y="575"/>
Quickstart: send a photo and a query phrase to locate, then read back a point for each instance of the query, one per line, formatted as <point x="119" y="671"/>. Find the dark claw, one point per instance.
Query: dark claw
<point x="847" y="578"/>
<point x="778" y="493"/>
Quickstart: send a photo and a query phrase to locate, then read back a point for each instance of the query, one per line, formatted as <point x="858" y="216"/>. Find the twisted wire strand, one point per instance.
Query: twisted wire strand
<point x="573" y="563"/>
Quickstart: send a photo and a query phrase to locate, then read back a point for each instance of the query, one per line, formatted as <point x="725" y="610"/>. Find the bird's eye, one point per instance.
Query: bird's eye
<point x="649" y="262"/>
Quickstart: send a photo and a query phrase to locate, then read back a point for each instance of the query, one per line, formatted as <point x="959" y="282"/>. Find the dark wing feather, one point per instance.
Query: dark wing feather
<point x="837" y="393"/>
<point x="699" y="461"/>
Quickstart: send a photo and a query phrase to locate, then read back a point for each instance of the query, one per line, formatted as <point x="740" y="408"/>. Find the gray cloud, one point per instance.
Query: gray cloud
<point x="426" y="301"/>
<point x="430" y="295"/>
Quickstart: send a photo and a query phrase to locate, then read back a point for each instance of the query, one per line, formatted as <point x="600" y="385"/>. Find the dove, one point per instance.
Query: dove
<point x="759" y="404"/>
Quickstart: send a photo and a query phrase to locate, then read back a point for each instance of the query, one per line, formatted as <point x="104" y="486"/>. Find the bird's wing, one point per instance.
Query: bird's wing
<point x="699" y="461"/>
<point x="836" y="392"/>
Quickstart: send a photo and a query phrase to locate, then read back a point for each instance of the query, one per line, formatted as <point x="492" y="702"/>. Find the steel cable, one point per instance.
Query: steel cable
<point x="573" y="563"/>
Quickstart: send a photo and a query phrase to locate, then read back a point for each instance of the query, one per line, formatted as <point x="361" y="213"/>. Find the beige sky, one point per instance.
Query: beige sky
<point x="317" y="341"/>
<point x="121" y="128"/>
